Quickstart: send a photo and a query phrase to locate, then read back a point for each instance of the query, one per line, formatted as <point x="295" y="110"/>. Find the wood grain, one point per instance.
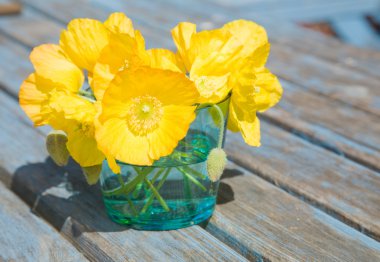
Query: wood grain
<point x="62" y="197"/>
<point x="262" y="213"/>
<point x="342" y="188"/>
<point x="335" y="126"/>
<point x="26" y="237"/>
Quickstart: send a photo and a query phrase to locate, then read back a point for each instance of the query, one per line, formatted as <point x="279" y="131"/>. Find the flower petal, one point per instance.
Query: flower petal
<point x="182" y="34"/>
<point x="248" y="33"/>
<point x="83" y="41"/>
<point x="212" y="89"/>
<point x="111" y="62"/>
<point x="33" y="99"/>
<point x="116" y="140"/>
<point x="268" y="90"/>
<point x="119" y="23"/>
<point x="73" y="106"/>
<point x="173" y="127"/>
<point x="83" y="148"/>
<point x="165" y="59"/>
<point x="50" y="63"/>
<point x="248" y="125"/>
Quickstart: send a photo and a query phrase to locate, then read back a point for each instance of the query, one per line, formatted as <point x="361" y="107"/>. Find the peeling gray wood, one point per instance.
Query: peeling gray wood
<point x="26" y="237"/>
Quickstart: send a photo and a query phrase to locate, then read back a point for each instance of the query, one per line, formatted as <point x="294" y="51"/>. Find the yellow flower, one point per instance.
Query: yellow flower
<point x="75" y="116"/>
<point x="208" y="57"/>
<point x="231" y="58"/>
<point x="145" y="123"/>
<point x="255" y="88"/>
<point x="52" y="94"/>
<point x="130" y="54"/>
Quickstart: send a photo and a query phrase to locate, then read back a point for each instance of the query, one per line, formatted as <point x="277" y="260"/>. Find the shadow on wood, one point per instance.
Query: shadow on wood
<point x="58" y="193"/>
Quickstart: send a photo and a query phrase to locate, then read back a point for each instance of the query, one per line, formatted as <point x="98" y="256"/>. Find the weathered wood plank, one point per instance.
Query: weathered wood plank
<point x="26" y="237"/>
<point x="62" y="197"/>
<point x="254" y="217"/>
<point x="280" y="226"/>
<point x="338" y="83"/>
<point x="342" y="188"/>
<point x="326" y="123"/>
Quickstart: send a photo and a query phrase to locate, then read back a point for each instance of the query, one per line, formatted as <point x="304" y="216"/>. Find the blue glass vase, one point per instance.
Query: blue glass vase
<point x="174" y="192"/>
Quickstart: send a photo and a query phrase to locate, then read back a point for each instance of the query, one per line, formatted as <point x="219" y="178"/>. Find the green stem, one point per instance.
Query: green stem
<point x="193" y="171"/>
<point x="121" y="181"/>
<point x="187" y="187"/>
<point x="222" y="125"/>
<point x="160" y="184"/>
<point x="192" y="179"/>
<point x="157" y="195"/>
<point x="128" y="187"/>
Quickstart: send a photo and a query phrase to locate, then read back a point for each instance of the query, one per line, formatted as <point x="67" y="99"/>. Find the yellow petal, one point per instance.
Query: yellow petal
<point x="248" y="125"/>
<point x="83" y="148"/>
<point x="182" y="34"/>
<point x="164" y="59"/>
<point x="33" y="99"/>
<point x="168" y="87"/>
<point x="212" y="89"/>
<point x="113" y="165"/>
<point x="92" y="173"/>
<point x="173" y="127"/>
<point x="268" y="90"/>
<point x="115" y="138"/>
<point x="119" y="23"/>
<point x="73" y="106"/>
<point x="248" y="33"/>
<point x="50" y="63"/>
<point x="83" y="41"/>
<point x="111" y="62"/>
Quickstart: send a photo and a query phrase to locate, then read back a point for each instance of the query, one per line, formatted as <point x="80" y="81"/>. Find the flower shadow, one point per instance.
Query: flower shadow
<point x="61" y="194"/>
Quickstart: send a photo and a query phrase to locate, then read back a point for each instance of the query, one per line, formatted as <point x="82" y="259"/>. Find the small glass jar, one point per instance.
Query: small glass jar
<point x="174" y="192"/>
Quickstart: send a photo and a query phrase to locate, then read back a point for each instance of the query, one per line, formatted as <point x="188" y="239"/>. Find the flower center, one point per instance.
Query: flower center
<point x="144" y="114"/>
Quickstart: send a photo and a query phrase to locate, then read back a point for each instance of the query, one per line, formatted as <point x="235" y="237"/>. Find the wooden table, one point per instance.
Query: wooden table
<point x="310" y="193"/>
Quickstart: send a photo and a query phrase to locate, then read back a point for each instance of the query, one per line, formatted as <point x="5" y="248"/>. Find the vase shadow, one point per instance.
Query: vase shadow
<point x="59" y="193"/>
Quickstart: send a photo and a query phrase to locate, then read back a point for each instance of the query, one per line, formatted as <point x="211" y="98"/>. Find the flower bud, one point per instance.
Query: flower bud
<point x="216" y="162"/>
<point x="56" y="147"/>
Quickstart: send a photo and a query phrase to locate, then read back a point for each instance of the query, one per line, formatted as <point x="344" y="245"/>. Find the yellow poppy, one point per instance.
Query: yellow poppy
<point x="53" y="93"/>
<point x="145" y="123"/>
<point x="231" y="59"/>
<point x="208" y="57"/>
<point x="130" y="54"/>
<point x="75" y="116"/>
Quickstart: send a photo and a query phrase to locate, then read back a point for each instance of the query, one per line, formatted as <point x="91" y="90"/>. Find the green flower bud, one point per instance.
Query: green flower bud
<point x="216" y="162"/>
<point x="56" y="147"/>
<point x="92" y="173"/>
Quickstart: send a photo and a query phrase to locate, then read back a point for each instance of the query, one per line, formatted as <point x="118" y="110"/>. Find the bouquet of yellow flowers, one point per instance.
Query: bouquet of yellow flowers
<point x="112" y="104"/>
